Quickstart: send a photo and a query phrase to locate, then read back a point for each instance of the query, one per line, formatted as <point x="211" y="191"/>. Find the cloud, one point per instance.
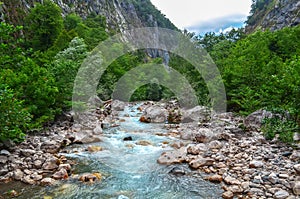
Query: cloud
<point x="219" y="24"/>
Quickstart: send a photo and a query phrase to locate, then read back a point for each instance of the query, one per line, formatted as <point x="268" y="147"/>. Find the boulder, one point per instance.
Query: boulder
<point x="143" y="143"/>
<point x="51" y="164"/>
<point x="254" y="120"/>
<point x="155" y="114"/>
<point x="231" y="181"/>
<point x="282" y="194"/>
<point x="61" y="174"/>
<point x="118" y="105"/>
<point x="215" y="178"/>
<point x="196" y="114"/>
<point x="204" y="135"/>
<point x="227" y="195"/>
<point x="48" y="182"/>
<point x="200" y="162"/>
<point x="296" y="188"/>
<point x="18" y="174"/>
<point x="196" y="149"/>
<point x="90" y="177"/>
<point x="172" y="157"/>
<point x="215" y="144"/>
<point x="86" y="137"/>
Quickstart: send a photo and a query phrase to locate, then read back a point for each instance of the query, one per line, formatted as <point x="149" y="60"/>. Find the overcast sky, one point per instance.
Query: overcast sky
<point x="202" y="16"/>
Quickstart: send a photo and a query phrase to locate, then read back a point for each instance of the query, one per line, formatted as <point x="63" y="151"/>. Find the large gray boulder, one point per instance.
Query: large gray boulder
<point x="154" y="114"/>
<point x="196" y="114"/>
<point x="255" y="119"/>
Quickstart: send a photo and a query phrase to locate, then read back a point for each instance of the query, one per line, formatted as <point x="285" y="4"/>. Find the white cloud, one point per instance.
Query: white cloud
<point x="190" y="13"/>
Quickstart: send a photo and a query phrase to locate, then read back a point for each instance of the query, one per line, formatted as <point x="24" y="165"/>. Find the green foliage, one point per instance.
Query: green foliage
<point x="14" y="119"/>
<point x="43" y="25"/>
<point x="280" y="123"/>
<point x="64" y="69"/>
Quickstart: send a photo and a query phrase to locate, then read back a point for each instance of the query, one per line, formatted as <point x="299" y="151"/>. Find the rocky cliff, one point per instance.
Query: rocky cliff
<point x="273" y="15"/>
<point x="120" y="14"/>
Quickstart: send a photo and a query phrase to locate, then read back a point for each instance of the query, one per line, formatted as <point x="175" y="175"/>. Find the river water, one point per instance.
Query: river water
<point x="129" y="170"/>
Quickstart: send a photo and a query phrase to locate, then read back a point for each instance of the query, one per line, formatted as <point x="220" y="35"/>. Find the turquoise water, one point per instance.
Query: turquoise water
<point x="130" y="170"/>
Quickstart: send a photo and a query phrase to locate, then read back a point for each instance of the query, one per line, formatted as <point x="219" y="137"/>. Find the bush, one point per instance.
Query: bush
<point x="14" y="119"/>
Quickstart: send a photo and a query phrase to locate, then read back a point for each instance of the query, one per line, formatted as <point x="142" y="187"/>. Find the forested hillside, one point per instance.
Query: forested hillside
<point x="43" y="47"/>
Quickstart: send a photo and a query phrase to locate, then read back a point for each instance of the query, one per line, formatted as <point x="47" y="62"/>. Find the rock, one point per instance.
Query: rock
<point x="200" y="162"/>
<point x="231" y="181"/>
<point x="215" y="144"/>
<point x="98" y="130"/>
<point x="67" y="167"/>
<point x="90" y="177"/>
<point x="129" y="138"/>
<point x="48" y="182"/>
<point x="86" y="137"/>
<point x="3" y="159"/>
<point x="144" y="119"/>
<point x="28" y="152"/>
<point x="27" y="179"/>
<point x="281" y="194"/>
<point x="256" y="164"/>
<point x="94" y="148"/>
<point x="215" y="178"/>
<point x="204" y="135"/>
<point x="38" y="164"/>
<point x="4" y="152"/>
<point x="197" y="149"/>
<point x="18" y="174"/>
<point x="143" y="143"/>
<point x="297" y="168"/>
<point x="197" y="114"/>
<point x="172" y="157"/>
<point x="296" y="188"/>
<point x="51" y="146"/>
<point x="51" y="164"/>
<point x="295" y="156"/>
<point x="273" y="178"/>
<point x="118" y="105"/>
<point x="177" y="145"/>
<point x="177" y="171"/>
<point x="254" y="120"/>
<point x="61" y="174"/>
<point x="36" y="177"/>
<point x="155" y="113"/>
<point x="235" y="189"/>
<point x="227" y="195"/>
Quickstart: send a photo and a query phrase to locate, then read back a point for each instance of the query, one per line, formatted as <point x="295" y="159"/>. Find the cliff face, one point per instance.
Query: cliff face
<point x="273" y="15"/>
<point x="120" y="14"/>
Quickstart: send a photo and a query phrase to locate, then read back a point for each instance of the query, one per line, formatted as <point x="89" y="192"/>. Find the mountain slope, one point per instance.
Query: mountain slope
<point x="273" y="15"/>
<point x="120" y="14"/>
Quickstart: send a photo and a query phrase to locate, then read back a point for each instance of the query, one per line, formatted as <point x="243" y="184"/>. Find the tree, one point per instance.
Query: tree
<point x="43" y="25"/>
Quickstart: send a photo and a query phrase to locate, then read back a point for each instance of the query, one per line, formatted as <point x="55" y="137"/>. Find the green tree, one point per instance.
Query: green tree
<point x="43" y="25"/>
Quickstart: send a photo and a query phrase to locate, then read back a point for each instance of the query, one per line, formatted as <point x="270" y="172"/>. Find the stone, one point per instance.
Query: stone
<point x="204" y="135"/>
<point x="273" y="178"/>
<point x="295" y="155"/>
<point x="200" y="162"/>
<point x="94" y="148"/>
<point x="256" y="164"/>
<point x="67" y="167"/>
<point x="61" y="174"/>
<point x="4" y="152"/>
<point x="98" y="130"/>
<point x="156" y="114"/>
<point x="143" y="143"/>
<point x="144" y="119"/>
<point x="118" y="105"/>
<point x="51" y="164"/>
<point x="48" y="182"/>
<point x="235" y="189"/>
<point x="215" y="144"/>
<point x="3" y="159"/>
<point x="231" y="181"/>
<point x="227" y="195"/>
<point x="86" y="137"/>
<point x="172" y="157"/>
<point x="282" y="194"/>
<point x="90" y="177"/>
<point x="38" y="164"/>
<point x="215" y="178"/>
<point x="129" y="138"/>
<point x="36" y="177"/>
<point x="177" y="145"/>
<point x="297" y="168"/>
<point x="254" y="120"/>
<point x="296" y="188"/>
<point x="177" y="171"/>
<point x="196" y="149"/>
<point x="18" y="174"/>
<point x="27" y="179"/>
<point x="196" y="114"/>
<point x="28" y="152"/>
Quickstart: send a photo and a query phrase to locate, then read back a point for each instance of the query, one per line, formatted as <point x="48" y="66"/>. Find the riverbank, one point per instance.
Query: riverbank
<point x="215" y="145"/>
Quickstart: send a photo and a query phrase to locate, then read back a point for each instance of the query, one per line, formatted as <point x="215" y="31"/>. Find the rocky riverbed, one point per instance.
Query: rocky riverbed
<point x="224" y="147"/>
